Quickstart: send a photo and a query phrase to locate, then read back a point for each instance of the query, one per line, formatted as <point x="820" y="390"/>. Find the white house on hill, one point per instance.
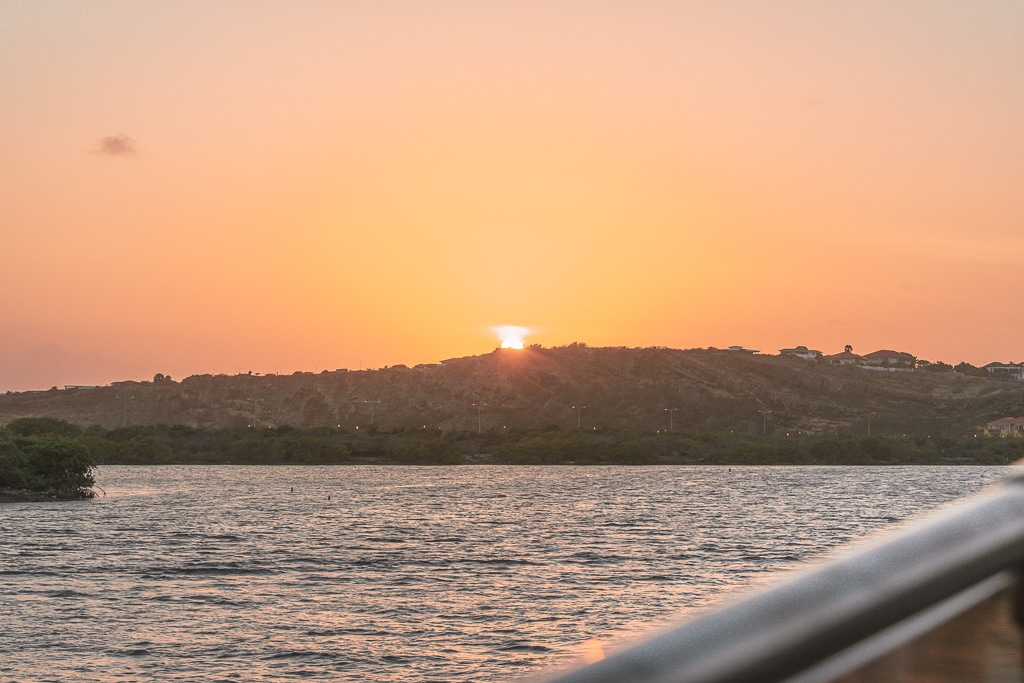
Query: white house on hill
<point x="1015" y="370"/>
<point x="801" y="352"/>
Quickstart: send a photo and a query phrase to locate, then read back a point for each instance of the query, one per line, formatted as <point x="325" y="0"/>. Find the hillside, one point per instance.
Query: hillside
<point x="710" y="390"/>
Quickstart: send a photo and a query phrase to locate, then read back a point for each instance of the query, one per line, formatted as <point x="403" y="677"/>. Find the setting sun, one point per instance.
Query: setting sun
<point x="511" y="336"/>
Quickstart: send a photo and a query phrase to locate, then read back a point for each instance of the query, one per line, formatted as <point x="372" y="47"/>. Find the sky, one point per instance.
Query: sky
<point x="224" y="187"/>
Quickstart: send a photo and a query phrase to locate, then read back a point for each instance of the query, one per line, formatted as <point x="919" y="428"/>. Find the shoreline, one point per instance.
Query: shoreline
<point x="21" y="496"/>
<point x="16" y="496"/>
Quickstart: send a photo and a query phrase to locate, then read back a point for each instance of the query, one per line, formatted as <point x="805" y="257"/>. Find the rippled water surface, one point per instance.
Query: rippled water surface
<point x="403" y="573"/>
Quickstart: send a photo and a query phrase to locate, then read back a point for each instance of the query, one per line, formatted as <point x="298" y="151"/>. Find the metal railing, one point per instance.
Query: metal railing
<point x="826" y="623"/>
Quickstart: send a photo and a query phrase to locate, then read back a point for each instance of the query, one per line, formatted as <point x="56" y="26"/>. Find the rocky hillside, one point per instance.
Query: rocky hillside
<point x="699" y="390"/>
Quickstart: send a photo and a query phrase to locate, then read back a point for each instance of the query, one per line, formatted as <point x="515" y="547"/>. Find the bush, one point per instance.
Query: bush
<point x="103" y="451"/>
<point x="42" y="426"/>
<point x="256" y="451"/>
<point x="144" y="450"/>
<point x="532" y="451"/>
<point x="430" y="452"/>
<point x="59" y="466"/>
<point x="310" y="450"/>
<point x="13" y="467"/>
<point x="631" y="453"/>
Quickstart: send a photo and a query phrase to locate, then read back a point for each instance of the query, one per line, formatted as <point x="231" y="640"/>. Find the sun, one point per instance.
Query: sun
<point x="511" y="336"/>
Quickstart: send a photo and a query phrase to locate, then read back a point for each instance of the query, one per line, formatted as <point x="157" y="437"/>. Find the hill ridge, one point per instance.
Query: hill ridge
<point x="705" y="390"/>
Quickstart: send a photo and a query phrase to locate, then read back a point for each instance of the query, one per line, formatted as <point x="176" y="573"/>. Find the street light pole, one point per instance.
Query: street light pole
<point x="579" y="416"/>
<point x="255" y="404"/>
<point x="670" y="411"/>
<point x="764" y="421"/>
<point x="479" y="417"/>
<point x="124" y="419"/>
<point x="373" y="405"/>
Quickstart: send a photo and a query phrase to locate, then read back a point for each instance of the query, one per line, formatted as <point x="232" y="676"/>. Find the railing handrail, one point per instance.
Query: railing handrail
<point x="792" y="627"/>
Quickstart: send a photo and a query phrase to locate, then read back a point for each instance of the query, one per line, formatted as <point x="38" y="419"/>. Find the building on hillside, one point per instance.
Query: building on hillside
<point x="889" y="359"/>
<point x="801" y="352"/>
<point x="844" y="358"/>
<point x="742" y="350"/>
<point x="1014" y="370"/>
<point x="1006" y="427"/>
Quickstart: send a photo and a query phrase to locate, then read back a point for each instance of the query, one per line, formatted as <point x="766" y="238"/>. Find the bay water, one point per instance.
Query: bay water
<point x="379" y="573"/>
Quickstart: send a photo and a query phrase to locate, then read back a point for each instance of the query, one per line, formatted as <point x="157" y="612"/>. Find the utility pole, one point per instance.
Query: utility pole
<point x="670" y="411"/>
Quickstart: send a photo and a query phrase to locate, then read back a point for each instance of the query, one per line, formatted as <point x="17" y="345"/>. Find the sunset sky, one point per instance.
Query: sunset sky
<point x="219" y="187"/>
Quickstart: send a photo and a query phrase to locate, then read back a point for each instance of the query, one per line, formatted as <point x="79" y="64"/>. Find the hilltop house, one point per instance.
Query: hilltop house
<point x="844" y="358"/>
<point x="742" y="350"/>
<point x="801" y="352"/>
<point x="1006" y="427"/>
<point x="889" y="359"/>
<point x="1014" y="370"/>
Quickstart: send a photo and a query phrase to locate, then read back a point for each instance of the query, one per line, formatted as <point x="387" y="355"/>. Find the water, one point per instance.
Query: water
<point x="408" y="574"/>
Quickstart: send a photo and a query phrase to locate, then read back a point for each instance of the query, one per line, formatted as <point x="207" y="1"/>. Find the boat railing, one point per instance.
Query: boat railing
<point x="836" y="622"/>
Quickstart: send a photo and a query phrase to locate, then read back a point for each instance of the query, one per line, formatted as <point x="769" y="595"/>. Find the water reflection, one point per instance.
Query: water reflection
<point x="407" y="574"/>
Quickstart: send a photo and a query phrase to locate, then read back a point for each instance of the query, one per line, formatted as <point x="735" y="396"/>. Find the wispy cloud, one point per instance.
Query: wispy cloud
<point x="119" y="145"/>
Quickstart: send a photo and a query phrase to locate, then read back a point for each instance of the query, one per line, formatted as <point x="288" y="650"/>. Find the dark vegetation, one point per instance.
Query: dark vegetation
<point x="44" y="457"/>
<point x="46" y="454"/>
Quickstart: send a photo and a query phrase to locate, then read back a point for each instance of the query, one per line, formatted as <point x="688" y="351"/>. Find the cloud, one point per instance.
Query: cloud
<point x="119" y="145"/>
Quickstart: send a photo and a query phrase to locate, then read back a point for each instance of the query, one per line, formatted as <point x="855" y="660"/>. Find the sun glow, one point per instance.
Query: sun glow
<point x="511" y="336"/>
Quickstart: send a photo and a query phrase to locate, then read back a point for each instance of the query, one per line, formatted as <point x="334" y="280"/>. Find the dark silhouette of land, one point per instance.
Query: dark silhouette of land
<point x="695" y="390"/>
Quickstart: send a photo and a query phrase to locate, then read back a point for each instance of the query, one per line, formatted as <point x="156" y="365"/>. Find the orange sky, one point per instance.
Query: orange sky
<point x="190" y="187"/>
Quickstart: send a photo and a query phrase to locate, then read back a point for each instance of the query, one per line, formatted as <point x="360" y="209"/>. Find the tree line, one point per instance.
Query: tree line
<point x="51" y="454"/>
